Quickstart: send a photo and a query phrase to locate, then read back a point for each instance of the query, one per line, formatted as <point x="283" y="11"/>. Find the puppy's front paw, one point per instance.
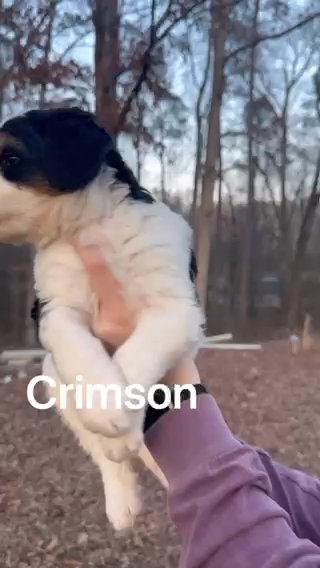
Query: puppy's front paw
<point x="110" y="421"/>
<point x="121" y="448"/>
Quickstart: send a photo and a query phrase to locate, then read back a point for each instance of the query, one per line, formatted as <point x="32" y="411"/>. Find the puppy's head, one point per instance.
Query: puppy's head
<point x="45" y="154"/>
<point x="52" y="151"/>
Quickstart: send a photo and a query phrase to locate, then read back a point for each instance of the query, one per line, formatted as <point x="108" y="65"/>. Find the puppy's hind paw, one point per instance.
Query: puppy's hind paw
<point x="122" y="509"/>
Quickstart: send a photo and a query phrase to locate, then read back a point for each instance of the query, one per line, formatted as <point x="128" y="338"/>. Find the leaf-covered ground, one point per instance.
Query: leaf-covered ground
<point x="51" y="500"/>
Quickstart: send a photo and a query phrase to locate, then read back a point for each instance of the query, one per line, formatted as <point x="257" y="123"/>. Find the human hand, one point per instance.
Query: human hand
<point x="113" y="322"/>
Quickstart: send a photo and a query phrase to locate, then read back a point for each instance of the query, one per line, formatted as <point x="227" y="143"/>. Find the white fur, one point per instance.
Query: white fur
<point x="148" y="247"/>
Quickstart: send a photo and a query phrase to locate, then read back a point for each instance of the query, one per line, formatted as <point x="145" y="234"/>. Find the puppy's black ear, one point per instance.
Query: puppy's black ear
<point x="74" y="146"/>
<point x="123" y="174"/>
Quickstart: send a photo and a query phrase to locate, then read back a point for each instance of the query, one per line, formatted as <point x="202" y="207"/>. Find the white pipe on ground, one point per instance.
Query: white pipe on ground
<point x="232" y="346"/>
<point x="218" y="338"/>
<point x="21" y="354"/>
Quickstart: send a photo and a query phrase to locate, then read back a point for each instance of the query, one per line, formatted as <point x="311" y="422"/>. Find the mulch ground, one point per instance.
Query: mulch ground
<point x="51" y="500"/>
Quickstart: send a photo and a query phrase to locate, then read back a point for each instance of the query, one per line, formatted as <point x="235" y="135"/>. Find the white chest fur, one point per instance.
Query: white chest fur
<point x="146" y="245"/>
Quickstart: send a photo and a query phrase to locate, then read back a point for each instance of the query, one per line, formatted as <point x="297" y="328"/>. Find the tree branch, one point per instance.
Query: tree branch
<point x="75" y="42"/>
<point x="267" y="37"/>
<point x="144" y="72"/>
<point x="147" y="56"/>
<point x="270" y="190"/>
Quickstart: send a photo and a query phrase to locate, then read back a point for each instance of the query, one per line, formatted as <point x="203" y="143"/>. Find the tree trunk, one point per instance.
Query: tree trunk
<point x="283" y="171"/>
<point x="46" y="54"/>
<point x="2" y="70"/>
<point x="1" y="90"/>
<point x="138" y="140"/>
<point x="163" y="173"/>
<point x="139" y="161"/>
<point x="219" y="35"/>
<point x="284" y="237"/>
<point x="217" y="258"/>
<point x="301" y="248"/>
<point x="247" y="258"/>
<point x="218" y="231"/>
<point x="197" y="173"/>
<point x="106" y="21"/>
<point x="199" y="139"/>
<point x="233" y="265"/>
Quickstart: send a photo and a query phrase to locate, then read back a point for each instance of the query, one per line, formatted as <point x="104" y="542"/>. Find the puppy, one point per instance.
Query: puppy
<point x="61" y="181"/>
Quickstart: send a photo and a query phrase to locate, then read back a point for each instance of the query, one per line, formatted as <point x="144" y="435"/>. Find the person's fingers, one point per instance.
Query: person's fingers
<point x="184" y="373"/>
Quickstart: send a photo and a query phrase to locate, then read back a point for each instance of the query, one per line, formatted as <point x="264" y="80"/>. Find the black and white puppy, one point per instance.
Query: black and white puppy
<point x="62" y="180"/>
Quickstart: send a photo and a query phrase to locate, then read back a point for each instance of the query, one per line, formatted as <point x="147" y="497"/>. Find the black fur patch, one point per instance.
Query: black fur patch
<point x="125" y="175"/>
<point x="63" y="148"/>
<point x="36" y="314"/>
<point x="61" y="151"/>
<point x="193" y="269"/>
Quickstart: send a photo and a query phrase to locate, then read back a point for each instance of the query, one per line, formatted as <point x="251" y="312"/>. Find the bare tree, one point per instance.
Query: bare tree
<point x="305" y="230"/>
<point x="219" y="29"/>
<point x="275" y="35"/>
<point x="47" y="51"/>
<point x="301" y="247"/>
<point x="199" y="116"/>
<point x="278" y="149"/>
<point x="248" y="242"/>
<point x="138" y="137"/>
<point x="105" y="15"/>
<point x="160" y="30"/>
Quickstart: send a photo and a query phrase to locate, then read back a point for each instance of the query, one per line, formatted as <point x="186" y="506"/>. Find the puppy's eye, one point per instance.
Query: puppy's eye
<point x="9" y="159"/>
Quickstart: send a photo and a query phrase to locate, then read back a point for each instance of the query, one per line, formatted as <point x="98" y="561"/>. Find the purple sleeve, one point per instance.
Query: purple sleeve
<point x="220" y="495"/>
<point x="298" y="494"/>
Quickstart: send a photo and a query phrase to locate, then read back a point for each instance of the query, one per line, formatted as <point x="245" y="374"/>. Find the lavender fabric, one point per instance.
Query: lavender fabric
<point x="233" y="506"/>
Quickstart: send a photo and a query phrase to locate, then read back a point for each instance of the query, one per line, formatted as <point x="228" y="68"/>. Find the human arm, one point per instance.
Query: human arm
<point x="220" y="495"/>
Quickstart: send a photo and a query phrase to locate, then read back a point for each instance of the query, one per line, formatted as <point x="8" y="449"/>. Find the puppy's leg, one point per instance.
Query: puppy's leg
<point x="122" y="494"/>
<point x="163" y="334"/>
<point x="120" y="483"/>
<point x="152" y="465"/>
<point x="64" y="332"/>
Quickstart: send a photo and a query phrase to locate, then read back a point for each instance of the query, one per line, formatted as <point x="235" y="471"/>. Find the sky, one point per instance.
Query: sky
<point x="179" y="177"/>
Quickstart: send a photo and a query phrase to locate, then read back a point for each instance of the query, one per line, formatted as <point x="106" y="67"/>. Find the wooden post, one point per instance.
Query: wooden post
<point x="307" y="333"/>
